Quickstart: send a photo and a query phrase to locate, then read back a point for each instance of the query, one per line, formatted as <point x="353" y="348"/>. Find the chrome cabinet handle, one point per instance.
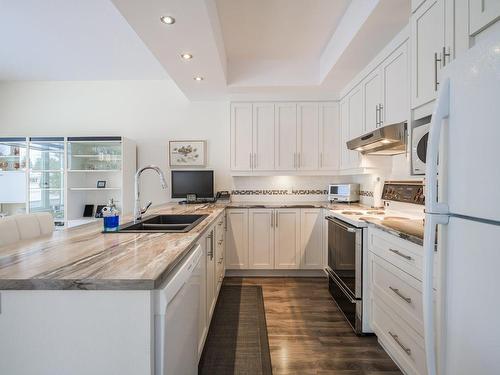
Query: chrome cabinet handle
<point x="396" y="338"/>
<point x="445" y="55"/>
<point x="376" y="116"/>
<point x="436" y="60"/>
<point x="380" y="119"/>
<point x="298" y="160"/>
<point x="276" y="220"/>
<point x="272" y="219"/>
<point x="398" y="293"/>
<point x="210" y="253"/>
<point x="397" y="252"/>
<point x="255" y="160"/>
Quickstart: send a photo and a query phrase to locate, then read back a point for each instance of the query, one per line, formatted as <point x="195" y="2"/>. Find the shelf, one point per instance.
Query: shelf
<point x="97" y="156"/>
<point x="94" y="170"/>
<point x="90" y="189"/>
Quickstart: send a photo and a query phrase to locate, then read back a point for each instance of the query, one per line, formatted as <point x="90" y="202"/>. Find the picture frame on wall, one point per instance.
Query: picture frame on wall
<point x="187" y="153"/>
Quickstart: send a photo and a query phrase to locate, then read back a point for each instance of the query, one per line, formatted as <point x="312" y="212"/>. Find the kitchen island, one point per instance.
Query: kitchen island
<point x="83" y="302"/>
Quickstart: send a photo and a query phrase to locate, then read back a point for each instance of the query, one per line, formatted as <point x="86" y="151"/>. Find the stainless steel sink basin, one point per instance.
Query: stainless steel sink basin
<point x="163" y="224"/>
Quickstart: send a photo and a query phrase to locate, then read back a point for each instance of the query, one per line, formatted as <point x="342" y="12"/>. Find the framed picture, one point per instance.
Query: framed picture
<point x="187" y="153"/>
<point x="101" y="184"/>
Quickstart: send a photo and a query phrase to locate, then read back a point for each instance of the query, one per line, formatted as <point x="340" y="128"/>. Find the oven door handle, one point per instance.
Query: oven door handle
<point x="340" y="224"/>
<point x="346" y="292"/>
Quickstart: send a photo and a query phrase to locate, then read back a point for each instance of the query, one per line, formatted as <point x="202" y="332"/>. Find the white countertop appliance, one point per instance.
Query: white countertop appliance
<point x="461" y="330"/>
<point x="343" y="193"/>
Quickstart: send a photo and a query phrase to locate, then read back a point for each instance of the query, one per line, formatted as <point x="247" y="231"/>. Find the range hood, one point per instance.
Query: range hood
<point x="387" y="140"/>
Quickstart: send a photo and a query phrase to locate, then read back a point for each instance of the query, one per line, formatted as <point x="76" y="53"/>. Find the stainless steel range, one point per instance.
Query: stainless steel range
<point x="347" y="253"/>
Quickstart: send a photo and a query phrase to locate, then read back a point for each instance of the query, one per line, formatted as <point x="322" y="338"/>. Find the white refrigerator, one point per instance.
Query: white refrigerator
<point x="462" y="303"/>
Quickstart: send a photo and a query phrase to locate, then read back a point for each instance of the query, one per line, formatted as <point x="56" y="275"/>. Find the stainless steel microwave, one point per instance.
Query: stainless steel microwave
<point x="343" y="192"/>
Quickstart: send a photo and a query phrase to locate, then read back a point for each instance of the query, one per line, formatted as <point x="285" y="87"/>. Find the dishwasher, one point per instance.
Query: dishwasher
<point x="177" y="307"/>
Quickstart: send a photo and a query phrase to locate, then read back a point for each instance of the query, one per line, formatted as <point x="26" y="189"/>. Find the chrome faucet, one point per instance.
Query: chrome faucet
<point x="138" y="211"/>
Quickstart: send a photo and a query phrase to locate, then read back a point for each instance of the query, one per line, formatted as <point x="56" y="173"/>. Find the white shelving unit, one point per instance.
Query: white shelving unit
<point x="93" y="159"/>
<point x="60" y="174"/>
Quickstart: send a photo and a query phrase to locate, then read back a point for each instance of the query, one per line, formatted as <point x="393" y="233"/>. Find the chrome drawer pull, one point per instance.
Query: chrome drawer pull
<point x="398" y="293"/>
<point x="397" y="252"/>
<point x="396" y="338"/>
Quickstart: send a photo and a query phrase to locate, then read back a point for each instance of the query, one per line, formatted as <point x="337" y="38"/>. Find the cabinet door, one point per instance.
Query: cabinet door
<point x="241" y="137"/>
<point x="287" y="239"/>
<point x="482" y="13"/>
<point x="263" y="136"/>
<point x="344" y="134"/>
<point x="427" y="35"/>
<point x="355" y="122"/>
<point x="308" y="136"/>
<point x="237" y="239"/>
<point x="261" y="239"/>
<point x="285" y="136"/>
<point x="311" y="238"/>
<point x="396" y="104"/>
<point x="372" y="86"/>
<point x="329" y="136"/>
<point x="211" y="280"/>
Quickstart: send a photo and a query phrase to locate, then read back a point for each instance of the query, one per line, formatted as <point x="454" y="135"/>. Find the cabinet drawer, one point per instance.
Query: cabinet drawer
<point x="399" y="339"/>
<point x="401" y="253"/>
<point x="402" y="292"/>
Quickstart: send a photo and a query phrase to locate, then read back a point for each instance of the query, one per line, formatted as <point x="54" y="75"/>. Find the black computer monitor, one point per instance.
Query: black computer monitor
<point x="200" y="183"/>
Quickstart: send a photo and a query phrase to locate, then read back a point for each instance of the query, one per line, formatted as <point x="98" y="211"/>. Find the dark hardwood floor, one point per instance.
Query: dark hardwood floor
<point x="308" y="334"/>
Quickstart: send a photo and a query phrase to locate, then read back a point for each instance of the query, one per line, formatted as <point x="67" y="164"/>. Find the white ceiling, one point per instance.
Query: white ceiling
<point x="281" y="48"/>
<point x="278" y="29"/>
<point x="71" y="40"/>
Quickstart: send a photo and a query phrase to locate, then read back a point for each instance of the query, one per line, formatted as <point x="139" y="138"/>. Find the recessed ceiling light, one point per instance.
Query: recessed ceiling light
<point x="169" y="20"/>
<point x="198" y="78"/>
<point x="186" y="56"/>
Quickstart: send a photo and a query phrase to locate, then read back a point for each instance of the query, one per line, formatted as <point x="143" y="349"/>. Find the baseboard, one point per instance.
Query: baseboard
<point x="275" y="273"/>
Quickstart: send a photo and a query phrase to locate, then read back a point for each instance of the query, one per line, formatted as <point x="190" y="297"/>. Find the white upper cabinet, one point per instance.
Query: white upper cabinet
<point x="285" y="149"/>
<point x="372" y="86"/>
<point x="241" y="136"/>
<point x="263" y="136"/>
<point x="482" y="13"/>
<point x="308" y="136"/>
<point x="344" y="134"/>
<point x="261" y="238"/>
<point x="311" y="238"/>
<point x="329" y="136"/>
<point x="287" y="239"/>
<point x="396" y="90"/>
<point x="356" y="120"/>
<point x="428" y="47"/>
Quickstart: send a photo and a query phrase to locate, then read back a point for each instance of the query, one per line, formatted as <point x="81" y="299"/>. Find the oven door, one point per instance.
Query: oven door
<point x="345" y="255"/>
<point x="419" y="139"/>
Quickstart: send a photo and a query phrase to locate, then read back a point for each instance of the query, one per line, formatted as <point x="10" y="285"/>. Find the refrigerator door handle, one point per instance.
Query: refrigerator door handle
<point x="427" y="289"/>
<point x="441" y="112"/>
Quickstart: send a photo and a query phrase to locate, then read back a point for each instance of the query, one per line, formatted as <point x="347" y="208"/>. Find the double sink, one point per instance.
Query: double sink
<point x="163" y="224"/>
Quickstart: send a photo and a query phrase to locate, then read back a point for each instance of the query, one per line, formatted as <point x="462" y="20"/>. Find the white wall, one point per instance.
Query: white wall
<point x="149" y="112"/>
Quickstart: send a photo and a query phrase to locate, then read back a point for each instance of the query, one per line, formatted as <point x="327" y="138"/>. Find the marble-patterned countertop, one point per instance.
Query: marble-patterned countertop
<point x="305" y="204"/>
<point x="410" y="230"/>
<point x="84" y="258"/>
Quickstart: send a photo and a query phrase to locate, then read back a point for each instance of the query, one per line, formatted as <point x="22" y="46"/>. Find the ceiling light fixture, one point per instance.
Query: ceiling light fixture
<point x="198" y="78"/>
<point x="169" y="20"/>
<point x="186" y="56"/>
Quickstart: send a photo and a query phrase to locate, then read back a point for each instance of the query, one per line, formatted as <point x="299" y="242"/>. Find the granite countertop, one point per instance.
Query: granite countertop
<point x="84" y="258"/>
<point x="313" y="204"/>
<point x="411" y="230"/>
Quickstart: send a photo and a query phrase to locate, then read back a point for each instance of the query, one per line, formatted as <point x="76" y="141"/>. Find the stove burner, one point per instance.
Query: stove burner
<point x="351" y="213"/>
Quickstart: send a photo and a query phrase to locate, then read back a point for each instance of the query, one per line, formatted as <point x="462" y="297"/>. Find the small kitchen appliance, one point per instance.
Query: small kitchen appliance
<point x="346" y="193"/>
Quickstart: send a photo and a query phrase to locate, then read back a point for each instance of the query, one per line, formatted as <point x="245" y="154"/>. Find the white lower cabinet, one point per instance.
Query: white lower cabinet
<point x="261" y="239"/>
<point x="396" y="298"/>
<point x="311" y="238"/>
<point x="283" y="238"/>
<point x="287" y="239"/>
<point x="237" y="239"/>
